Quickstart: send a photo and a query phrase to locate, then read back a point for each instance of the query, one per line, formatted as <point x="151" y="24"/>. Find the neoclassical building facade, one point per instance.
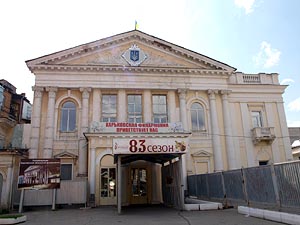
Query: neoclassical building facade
<point x="116" y="111"/>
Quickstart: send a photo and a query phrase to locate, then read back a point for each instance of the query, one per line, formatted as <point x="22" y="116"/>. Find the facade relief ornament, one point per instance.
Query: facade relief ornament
<point x="134" y="55"/>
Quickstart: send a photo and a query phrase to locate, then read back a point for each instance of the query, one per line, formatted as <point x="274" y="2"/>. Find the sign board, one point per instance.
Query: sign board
<point x="125" y="127"/>
<point x="39" y="174"/>
<point x="150" y="145"/>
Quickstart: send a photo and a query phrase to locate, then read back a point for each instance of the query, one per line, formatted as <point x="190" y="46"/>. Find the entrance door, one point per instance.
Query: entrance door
<point x="139" y="185"/>
<point x="108" y="186"/>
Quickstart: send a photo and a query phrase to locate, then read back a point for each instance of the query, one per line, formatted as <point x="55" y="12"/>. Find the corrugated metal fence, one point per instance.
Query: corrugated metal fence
<point x="272" y="185"/>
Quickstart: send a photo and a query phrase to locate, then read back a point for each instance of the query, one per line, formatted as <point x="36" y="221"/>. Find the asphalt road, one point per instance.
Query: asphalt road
<point x="145" y="215"/>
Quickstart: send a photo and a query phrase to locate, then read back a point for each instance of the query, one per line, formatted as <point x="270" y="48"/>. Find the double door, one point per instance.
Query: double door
<point x="139" y="185"/>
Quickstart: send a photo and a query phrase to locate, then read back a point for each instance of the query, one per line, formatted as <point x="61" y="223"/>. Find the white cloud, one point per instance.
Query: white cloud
<point x="246" y="4"/>
<point x="294" y="105"/>
<point x="287" y="81"/>
<point x="267" y="56"/>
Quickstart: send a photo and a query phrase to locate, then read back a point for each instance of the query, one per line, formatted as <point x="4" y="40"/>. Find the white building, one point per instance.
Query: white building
<point x="134" y="103"/>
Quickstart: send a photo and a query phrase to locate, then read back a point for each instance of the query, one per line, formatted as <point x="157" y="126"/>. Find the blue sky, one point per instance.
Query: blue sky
<point x="250" y="35"/>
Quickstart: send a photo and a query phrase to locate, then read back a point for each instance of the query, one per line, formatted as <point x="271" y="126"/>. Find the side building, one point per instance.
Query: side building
<point x="121" y="110"/>
<point x="15" y="117"/>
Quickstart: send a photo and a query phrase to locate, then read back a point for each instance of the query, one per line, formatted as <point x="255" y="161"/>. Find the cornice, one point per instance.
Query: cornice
<point x="122" y="69"/>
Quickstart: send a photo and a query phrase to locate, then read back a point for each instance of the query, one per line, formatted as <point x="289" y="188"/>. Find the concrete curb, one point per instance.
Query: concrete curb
<point x="199" y="205"/>
<point x="20" y="219"/>
<point x="282" y="217"/>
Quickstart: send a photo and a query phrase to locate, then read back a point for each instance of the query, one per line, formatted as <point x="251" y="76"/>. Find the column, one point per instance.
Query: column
<point x="119" y="186"/>
<point x="171" y="106"/>
<point x="284" y="132"/>
<point x="96" y="105"/>
<point x="49" y="129"/>
<point x="217" y="148"/>
<point x="35" y="122"/>
<point x="92" y="173"/>
<point x="84" y="128"/>
<point x="147" y="107"/>
<point x="231" y="158"/>
<point x="122" y="106"/>
<point x="182" y="102"/>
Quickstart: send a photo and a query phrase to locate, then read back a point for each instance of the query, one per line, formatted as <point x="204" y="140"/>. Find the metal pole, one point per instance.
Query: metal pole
<point x="182" y="182"/>
<point x="53" y="198"/>
<point x="21" y="201"/>
<point x="119" y="198"/>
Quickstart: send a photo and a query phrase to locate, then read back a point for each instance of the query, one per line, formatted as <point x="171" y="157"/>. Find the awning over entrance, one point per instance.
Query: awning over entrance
<point x="154" y="158"/>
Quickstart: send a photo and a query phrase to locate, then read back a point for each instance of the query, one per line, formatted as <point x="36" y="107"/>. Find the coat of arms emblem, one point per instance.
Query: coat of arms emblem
<point x="134" y="55"/>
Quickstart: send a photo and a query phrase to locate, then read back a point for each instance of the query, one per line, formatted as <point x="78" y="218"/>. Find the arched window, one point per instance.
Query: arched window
<point x="197" y="117"/>
<point x="68" y="117"/>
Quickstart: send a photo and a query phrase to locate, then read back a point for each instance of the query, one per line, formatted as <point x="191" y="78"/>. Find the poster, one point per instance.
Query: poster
<point x="39" y="174"/>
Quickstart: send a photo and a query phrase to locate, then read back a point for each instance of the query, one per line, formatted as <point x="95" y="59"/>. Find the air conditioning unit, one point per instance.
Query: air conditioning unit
<point x="263" y="134"/>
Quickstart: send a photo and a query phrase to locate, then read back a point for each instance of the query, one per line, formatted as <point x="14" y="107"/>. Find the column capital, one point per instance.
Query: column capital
<point x="85" y="92"/>
<point x="212" y="93"/>
<point x="37" y="91"/>
<point x="85" y="89"/>
<point x="182" y="93"/>
<point x="51" y="89"/>
<point x="225" y="92"/>
<point x="37" y="88"/>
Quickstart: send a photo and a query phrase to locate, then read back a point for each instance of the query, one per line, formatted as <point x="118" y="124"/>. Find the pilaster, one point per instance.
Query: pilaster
<point x="171" y="106"/>
<point x="122" y="106"/>
<point x="82" y="158"/>
<point x="146" y="106"/>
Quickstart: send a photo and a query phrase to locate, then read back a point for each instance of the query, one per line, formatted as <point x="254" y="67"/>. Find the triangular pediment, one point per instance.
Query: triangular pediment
<point x="201" y="153"/>
<point x="66" y="155"/>
<point x="114" y="51"/>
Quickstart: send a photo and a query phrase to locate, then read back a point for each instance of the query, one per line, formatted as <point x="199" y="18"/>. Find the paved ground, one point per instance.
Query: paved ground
<point x="146" y="215"/>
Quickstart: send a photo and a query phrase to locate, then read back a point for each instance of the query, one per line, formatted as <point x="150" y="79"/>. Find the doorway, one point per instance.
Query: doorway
<point x="108" y="184"/>
<point x="139" y="185"/>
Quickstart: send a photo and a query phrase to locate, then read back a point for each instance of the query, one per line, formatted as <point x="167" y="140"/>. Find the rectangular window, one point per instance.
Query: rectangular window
<point x="134" y="108"/>
<point x="159" y="107"/>
<point x="109" y="108"/>
<point x="66" y="171"/>
<point x="256" y="118"/>
<point x="263" y="163"/>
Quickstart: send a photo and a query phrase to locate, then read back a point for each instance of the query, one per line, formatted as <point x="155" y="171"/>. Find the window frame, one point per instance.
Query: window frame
<point x="133" y="117"/>
<point x="258" y="118"/>
<point x="198" y="115"/>
<point x="62" y="110"/>
<point x="160" y="116"/>
<point x="111" y="117"/>
<point x="61" y="171"/>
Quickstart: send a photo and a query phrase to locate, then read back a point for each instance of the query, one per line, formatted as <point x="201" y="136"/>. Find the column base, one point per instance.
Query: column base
<point x="82" y="175"/>
<point x="91" y="202"/>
